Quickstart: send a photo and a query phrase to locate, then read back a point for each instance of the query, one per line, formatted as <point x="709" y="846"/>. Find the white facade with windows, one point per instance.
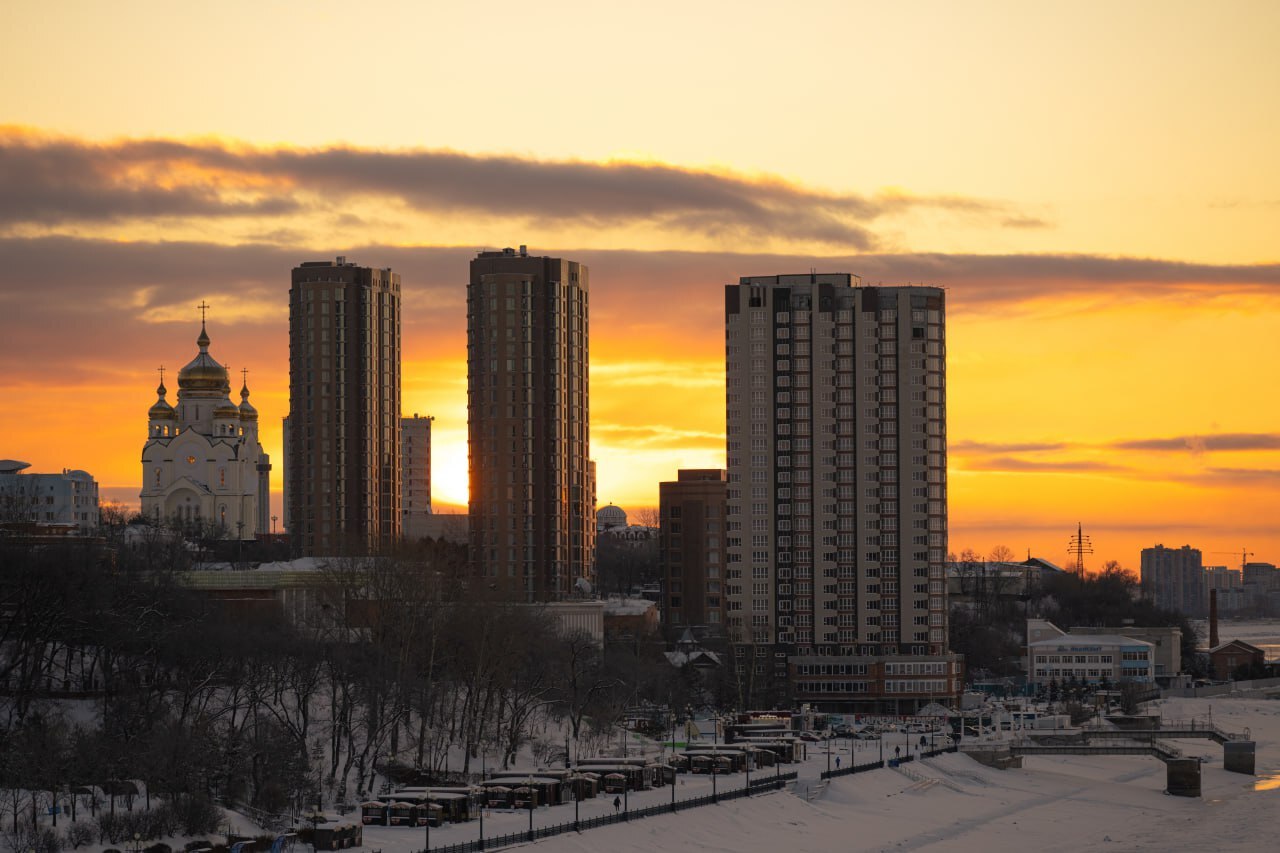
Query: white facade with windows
<point x="69" y="498"/>
<point x="1091" y="659"/>
<point x="202" y="462"/>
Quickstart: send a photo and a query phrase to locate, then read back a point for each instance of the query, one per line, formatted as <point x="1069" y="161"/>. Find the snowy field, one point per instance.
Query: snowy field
<point x="950" y="803"/>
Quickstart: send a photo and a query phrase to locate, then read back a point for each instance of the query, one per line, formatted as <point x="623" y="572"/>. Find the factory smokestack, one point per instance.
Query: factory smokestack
<point x="1213" y="618"/>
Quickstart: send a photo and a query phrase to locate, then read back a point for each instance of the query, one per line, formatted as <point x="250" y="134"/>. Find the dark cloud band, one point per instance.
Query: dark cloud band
<point x="56" y="181"/>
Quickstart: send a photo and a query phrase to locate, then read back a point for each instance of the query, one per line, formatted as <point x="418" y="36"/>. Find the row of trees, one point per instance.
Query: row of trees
<point x="991" y="632"/>
<point x="390" y="668"/>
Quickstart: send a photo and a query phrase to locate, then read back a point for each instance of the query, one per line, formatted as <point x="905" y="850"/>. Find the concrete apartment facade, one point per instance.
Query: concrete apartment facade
<point x="837" y="502"/>
<point x="342" y="436"/>
<point x="415" y="476"/>
<point x="1174" y="579"/>
<point x="691" y="550"/>
<point x="68" y="499"/>
<point x="532" y="485"/>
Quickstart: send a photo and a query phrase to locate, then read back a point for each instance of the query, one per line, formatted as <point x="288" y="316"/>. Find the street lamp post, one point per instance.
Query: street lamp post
<point x="427" y="849"/>
<point x="483" y="796"/>
<point x="529" y="785"/>
<point x="673" y="758"/>
<point x="747" y="759"/>
<point x="715" y="766"/>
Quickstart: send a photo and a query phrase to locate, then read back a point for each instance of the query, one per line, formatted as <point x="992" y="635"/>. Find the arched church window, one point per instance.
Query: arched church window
<point x="157" y="472"/>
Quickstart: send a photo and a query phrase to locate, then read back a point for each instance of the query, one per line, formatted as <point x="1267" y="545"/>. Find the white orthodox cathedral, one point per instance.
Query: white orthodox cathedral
<point x="202" y="460"/>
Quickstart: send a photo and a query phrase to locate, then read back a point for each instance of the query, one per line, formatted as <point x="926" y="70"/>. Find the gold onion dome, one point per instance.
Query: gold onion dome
<point x="247" y="411"/>
<point x="161" y="410"/>
<point x="203" y="373"/>
<point x="226" y="408"/>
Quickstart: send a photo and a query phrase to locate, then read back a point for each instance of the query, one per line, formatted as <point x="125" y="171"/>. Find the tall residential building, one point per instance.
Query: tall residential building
<point x="415" y="476"/>
<point x="837" y="494"/>
<point x="691" y="542"/>
<point x="1174" y="579"/>
<point x="68" y="500"/>
<point x="531" y="481"/>
<point x="343" y="431"/>
<point x="202" y="461"/>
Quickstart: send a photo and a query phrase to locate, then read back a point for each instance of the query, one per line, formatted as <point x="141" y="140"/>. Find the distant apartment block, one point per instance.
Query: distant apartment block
<point x="415" y="476"/>
<point x="532" y="485"/>
<point x="67" y="500"/>
<point x="691" y="549"/>
<point x="1261" y="582"/>
<point x="835" y="588"/>
<point x="1229" y="585"/>
<point x="342" y="435"/>
<point x="1173" y="578"/>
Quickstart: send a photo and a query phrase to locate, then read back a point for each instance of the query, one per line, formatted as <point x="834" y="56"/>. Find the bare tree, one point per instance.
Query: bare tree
<point x="1001" y="554"/>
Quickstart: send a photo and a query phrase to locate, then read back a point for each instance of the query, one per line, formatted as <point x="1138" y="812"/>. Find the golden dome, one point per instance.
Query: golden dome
<point x="226" y="408"/>
<point x="247" y="411"/>
<point x="161" y="410"/>
<point x="203" y="373"/>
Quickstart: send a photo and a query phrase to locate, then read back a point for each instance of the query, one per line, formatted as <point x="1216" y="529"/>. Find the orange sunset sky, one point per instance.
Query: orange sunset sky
<point x="1095" y="184"/>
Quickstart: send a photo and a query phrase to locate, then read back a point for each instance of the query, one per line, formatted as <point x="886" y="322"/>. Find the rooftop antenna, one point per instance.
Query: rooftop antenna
<point x="1080" y="545"/>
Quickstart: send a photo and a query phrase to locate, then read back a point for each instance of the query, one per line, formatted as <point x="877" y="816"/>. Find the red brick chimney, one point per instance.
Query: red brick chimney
<point x="1213" y="618"/>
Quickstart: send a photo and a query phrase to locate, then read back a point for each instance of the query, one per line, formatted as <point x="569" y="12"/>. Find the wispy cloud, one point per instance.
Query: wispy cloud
<point x="1017" y="465"/>
<point x="1267" y="474"/>
<point x="660" y="374"/>
<point x="965" y="446"/>
<point x="649" y="436"/>
<point x="54" y="181"/>
<point x="1201" y="443"/>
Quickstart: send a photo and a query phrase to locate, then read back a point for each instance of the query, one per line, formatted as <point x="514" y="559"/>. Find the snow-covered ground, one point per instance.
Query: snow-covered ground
<point x="1066" y="803"/>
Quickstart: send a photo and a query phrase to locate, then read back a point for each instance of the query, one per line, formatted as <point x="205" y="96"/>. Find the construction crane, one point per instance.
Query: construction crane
<point x="1245" y="554"/>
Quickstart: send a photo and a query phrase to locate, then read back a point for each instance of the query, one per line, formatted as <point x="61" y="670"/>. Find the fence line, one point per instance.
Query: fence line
<point x="771" y="782"/>
<point x="876" y="765"/>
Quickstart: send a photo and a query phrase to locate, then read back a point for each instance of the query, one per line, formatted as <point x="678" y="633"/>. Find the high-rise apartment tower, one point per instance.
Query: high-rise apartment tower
<point x="343" y="430"/>
<point x="837" y="504"/>
<point x="415" y="476"/>
<point x="1174" y="579"/>
<point x="691" y="539"/>
<point x="532" y="491"/>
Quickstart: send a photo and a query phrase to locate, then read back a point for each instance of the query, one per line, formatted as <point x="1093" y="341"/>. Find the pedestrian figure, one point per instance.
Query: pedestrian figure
<point x="837" y="762"/>
<point x="617" y="804"/>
